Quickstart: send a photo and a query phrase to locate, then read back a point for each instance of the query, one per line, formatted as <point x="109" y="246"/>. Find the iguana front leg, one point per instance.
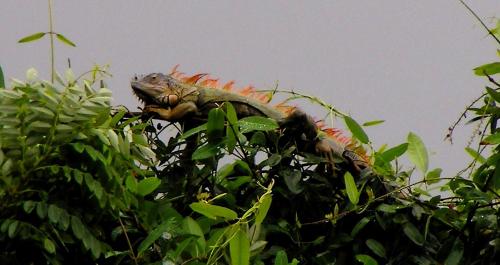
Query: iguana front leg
<point x="175" y="113"/>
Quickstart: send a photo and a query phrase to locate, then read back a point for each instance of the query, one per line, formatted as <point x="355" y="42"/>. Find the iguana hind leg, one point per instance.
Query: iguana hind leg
<point x="303" y="126"/>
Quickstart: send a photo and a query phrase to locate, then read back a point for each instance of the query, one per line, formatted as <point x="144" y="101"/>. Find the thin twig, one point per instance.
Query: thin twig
<point x="480" y="21"/>
<point x="132" y="254"/>
<point x="492" y="80"/>
<point x="299" y="95"/>
<point x="463" y="115"/>
<point x="51" y="36"/>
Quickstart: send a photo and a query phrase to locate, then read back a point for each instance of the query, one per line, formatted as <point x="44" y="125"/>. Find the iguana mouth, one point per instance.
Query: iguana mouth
<point x="140" y="94"/>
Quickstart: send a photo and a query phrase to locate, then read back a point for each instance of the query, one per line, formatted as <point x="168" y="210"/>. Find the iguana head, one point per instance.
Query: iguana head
<point x="156" y="89"/>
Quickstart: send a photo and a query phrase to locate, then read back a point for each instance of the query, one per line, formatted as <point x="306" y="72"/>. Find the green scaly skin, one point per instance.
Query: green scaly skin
<point x="172" y="100"/>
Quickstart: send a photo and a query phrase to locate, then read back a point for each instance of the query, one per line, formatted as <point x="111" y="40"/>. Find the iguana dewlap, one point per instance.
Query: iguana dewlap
<point x="175" y="99"/>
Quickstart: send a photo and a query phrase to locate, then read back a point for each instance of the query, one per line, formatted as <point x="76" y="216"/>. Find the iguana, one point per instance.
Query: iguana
<point x="176" y="98"/>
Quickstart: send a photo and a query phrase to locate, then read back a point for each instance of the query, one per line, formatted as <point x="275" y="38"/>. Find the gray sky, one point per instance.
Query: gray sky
<point x="407" y="62"/>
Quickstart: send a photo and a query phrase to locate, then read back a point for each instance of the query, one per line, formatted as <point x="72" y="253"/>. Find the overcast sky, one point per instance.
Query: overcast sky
<point x="404" y="61"/>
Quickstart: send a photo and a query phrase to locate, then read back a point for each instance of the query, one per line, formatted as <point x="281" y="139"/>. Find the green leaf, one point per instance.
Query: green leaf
<point x="49" y="246"/>
<point x="376" y="247"/>
<point x="192" y="227"/>
<point x="351" y="189"/>
<point x="487" y="69"/>
<point x="387" y="208"/>
<point x="356" y="130"/>
<point x="65" y="40"/>
<point x="394" y="152"/>
<point x="492" y="139"/>
<point x="281" y="258"/>
<point x="366" y="260"/>
<point x="239" y="248"/>
<point x="232" y="128"/>
<point x="456" y="253"/>
<point x="213" y="211"/>
<point x="231" y="114"/>
<point x="293" y="180"/>
<point x="206" y="151"/>
<point x="362" y="223"/>
<point x="113" y="139"/>
<point x="194" y="131"/>
<point x="257" y="123"/>
<point x="54" y="213"/>
<point x="372" y="123"/>
<point x="433" y="176"/>
<point x="13" y="228"/>
<point x="29" y="206"/>
<point x="273" y="160"/>
<point x="77" y="227"/>
<point x="493" y="93"/>
<point x="413" y="234"/>
<point x="41" y="210"/>
<point x="265" y="203"/>
<point x="154" y="235"/>
<point x="417" y="153"/>
<point x="131" y="183"/>
<point x="148" y="185"/>
<point x="32" y="37"/>
<point x="2" y="80"/>
<point x="215" y="125"/>
<point x="475" y="155"/>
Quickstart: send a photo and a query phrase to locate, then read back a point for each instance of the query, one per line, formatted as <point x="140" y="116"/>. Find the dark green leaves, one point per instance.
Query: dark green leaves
<point x="413" y="233"/>
<point x="376" y="247"/>
<point x="49" y="246"/>
<point x="362" y="223"/>
<point x="155" y="234"/>
<point x="366" y="260"/>
<point x="456" y="253"/>
<point x="487" y="69"/>
<point x="356" y="130"/>
<point x="32" y="37"/>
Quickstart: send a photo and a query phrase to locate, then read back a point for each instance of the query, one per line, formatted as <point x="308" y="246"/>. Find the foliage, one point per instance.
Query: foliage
<point x="64" y="161"/>
<point x="223" y="191"/>
<point x="81" y="183"/>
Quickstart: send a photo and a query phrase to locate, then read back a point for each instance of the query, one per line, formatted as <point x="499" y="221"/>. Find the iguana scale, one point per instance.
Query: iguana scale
<point x="176" y="98"/>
